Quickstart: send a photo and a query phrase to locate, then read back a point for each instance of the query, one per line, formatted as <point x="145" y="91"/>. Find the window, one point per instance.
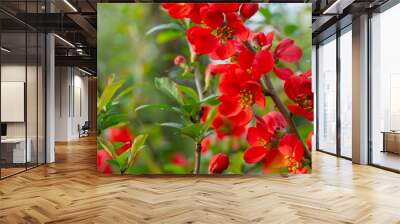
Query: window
<point x="327" y="96"/>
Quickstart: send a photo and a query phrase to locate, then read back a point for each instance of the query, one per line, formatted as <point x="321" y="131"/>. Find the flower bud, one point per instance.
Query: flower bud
<point x="248" y="10"/>
<point x="179" y="60"/>
<point x="218" y="163"/>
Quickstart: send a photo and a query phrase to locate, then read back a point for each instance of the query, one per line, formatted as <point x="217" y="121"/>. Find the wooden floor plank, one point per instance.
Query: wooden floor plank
<point x="71" y="191"/>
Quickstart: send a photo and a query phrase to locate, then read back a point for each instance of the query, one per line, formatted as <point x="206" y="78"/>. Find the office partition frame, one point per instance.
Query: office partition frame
<point x="381" y="9"/>
<point x="43" y="54"/>
<point x="339" y="32"/>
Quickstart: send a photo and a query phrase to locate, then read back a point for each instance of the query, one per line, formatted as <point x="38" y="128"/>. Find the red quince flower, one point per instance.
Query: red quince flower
<point x="205" y="144"/>
<point x="298" y="89"/>
<point x="255" y="64"/>
<point x="179" y="159"/>
<point x="239" y="94"/>
<point x="218" y="163"/>
<point x="103" y="165"/>
<point x="288" y="51"/>
<point x="264" y="41"/>
<point x="225" y="127"/>
<point x="292" y="149"/>
<point x="248" y="10"/>
<point x="122" y="135"/>
<point x="185" y="10"/>
<point x="224" y="31"/>
<point x="264" y="137"/>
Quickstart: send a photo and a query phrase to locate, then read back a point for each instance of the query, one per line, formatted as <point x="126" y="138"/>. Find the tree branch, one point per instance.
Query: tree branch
<point x="282" y="108"/>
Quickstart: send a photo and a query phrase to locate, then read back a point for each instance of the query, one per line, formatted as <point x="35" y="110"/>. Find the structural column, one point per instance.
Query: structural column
<point x="360" y="90"/>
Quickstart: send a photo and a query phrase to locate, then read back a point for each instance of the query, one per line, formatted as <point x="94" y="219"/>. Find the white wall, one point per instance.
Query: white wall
<point x="71" y="94"/>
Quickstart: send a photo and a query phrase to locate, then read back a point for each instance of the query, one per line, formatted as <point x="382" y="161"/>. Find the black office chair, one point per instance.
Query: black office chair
<point x="84" y="130"/>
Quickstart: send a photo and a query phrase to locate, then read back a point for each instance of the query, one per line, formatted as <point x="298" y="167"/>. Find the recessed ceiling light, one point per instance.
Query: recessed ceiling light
<point x="70" y="5"/>
<point x="5" y="50"/>
<point x="84" y="71"/>
<point x="65" y="41"/>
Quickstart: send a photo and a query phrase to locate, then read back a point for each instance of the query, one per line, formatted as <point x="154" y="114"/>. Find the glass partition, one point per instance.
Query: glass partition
<point x="327" y="95"/>
<point x="346" y="93"/>
<point x="385" y="89"/>
<point x="22" y="107"/>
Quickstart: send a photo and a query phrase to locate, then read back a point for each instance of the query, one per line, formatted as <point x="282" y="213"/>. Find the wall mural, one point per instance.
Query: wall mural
<point x="204" y="88"/>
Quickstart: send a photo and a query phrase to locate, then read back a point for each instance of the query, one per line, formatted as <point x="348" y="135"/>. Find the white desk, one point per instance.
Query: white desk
<point x="18" y="149"/>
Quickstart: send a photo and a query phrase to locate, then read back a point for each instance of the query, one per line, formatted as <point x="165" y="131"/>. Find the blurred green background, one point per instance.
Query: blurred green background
<point x="126" y="52"/>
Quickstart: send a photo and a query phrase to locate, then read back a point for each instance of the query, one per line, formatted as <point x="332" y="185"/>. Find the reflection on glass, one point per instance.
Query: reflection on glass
<point x="14" y="153"/>
<point x="327" y="96"/>
<point x="346" y="94"/>
<point x="385" y="85"/>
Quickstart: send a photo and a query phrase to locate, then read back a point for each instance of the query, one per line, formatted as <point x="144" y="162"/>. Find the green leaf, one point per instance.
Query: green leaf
<point x="107" y="146"/>
<point x="172" y="125"/>
<point x="166" y="26"/>
<point x="189" y="92"/>
<point x="167" y="36"/>
<point x="290" y="29"/>
<point x="137" y="146"/>
<point x="210" y="117"/>
<point x="115" y="166"/>
<point x="171" y="168"/>
<point x="127" y="91"/>
<point x="162" y="107"/>
<point x="266" y="13"/>
<point x="168" y="87"/>
<point x="108" y="94"/>
<point x="211" y="100"/>
<point x="194" y="131"/>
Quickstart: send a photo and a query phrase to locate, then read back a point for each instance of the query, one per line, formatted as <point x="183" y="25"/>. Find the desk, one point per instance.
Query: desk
<point x="13" y="150"/>
<point x="391" y="141"/>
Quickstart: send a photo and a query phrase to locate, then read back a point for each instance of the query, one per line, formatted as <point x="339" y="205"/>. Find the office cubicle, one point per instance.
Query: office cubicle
<point x="22" y="91"/>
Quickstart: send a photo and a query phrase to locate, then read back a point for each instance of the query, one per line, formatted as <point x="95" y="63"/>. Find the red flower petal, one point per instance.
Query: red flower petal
<point x="205" y="144"/>
<point x="290" y="145"/>
<point x="287" y="51"/>
<point x="120" y="135"/>
<point x="223" y="51"/>
<point x="242" y="118"/>
<point x="254" y="154"/>
<point x="179" y="160"/>
<point x="256" y="90"/>
<point x="296" y="109"/>
<point x="263" y="63"/>
<point x="218" y="163"/>
<point x="255" y="134"/>
<point x="102" y="165"/>
<point x="309" y="116"/>
<point x="212" y="17"/>
<point x="201" y="39"/>
<point x="179" y="10"/>
<point x="215" y="69"/>
<point x="248" y="9"/>
<point x="245" y="58"/>
<point x="229" y="107"/>
<point x="225" y="7"/>
<point x="273" y="121"/>
<point x="228" y="85"/>
<point x="283" y="73"/>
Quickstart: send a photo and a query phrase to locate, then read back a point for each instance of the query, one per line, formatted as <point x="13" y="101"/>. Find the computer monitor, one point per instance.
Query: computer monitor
<point x="3" y="129"/>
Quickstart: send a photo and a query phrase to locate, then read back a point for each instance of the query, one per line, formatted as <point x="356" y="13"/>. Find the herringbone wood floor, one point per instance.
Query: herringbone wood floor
<point x="71" y="191"/>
